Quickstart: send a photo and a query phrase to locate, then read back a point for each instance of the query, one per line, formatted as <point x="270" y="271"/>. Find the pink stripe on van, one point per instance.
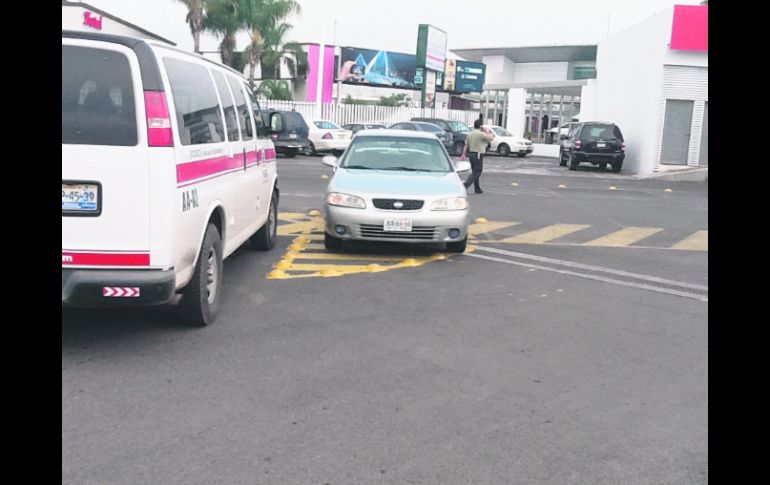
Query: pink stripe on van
<point x="205" y="168"/>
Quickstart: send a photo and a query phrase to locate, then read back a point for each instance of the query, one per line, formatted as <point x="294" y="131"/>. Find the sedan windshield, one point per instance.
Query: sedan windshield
<point x="500" y="131"/>
<point x="326" y="125"/>
<point x="396" y="153"/>
<point x="459" y="127"/>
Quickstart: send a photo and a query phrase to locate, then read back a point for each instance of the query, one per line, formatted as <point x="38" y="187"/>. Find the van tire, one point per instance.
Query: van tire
<point x="616" y="166"/>
<point x="572" y="161"/>
<point x="562" y="160"/>
<point x="195" y="308"/>
<point x="290" y="152"/>
<point x="264" y="239"/>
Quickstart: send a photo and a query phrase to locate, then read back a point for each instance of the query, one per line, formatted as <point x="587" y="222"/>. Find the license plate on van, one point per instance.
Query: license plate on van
<point x="80" y="197"/>
<point x="397" y="225"/>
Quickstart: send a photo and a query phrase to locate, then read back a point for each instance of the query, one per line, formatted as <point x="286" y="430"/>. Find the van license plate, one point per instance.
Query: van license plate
<point x="79" y="197"/>
<point x="397" y="225"/>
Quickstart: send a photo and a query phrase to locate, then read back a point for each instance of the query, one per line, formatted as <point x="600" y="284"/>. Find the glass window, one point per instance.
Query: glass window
<point x="231" y="122"/>
<point x="255" y="108"/>
<point x="601" y="132"/>
<point x="430" y="127"/>
<point x="244" y="112"/>
<point x="195" y="101"/>
<point x="396" y="153"/>
<point x="585" y="73"/>
<point x="326" y="125"/>
<point x="97" y="98"/>
<point x="500" y="131"/>
<point x="459" y="127"/>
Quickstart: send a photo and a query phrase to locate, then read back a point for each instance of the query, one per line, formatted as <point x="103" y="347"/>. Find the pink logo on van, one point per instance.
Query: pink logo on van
<point x="92" y="21"/>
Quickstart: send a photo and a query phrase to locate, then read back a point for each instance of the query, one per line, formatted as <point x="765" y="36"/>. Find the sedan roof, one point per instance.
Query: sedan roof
<point x="398" y="133"/>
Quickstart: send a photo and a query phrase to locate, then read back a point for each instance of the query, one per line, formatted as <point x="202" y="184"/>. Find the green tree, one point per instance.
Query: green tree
<point x="223" y="19"/>
<point x="195" y="18"/>
<point x="275" y="89"/>
<point x="264" y="18"/>
<point x="399" y="99"/>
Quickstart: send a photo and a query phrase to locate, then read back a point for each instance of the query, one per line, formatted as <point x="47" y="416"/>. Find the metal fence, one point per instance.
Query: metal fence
<point x="343" y="114"/>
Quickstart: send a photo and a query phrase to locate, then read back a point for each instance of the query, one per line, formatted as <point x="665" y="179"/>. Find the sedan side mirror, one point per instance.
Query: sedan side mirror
<point x="462" y="166"/>
<point x="329" y="161"/>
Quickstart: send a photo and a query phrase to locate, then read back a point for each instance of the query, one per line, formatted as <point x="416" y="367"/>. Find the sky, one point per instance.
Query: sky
<point x="392" y="24"/>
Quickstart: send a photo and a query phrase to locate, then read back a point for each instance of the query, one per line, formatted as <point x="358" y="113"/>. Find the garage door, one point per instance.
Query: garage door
<point x="676" y="132"/>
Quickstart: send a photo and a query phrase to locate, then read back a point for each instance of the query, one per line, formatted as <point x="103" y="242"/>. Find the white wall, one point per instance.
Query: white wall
<point x="588" y="95"/>
<point x="500" y="69"/>
<point x="517" y="103"/>
<point x="540" y="72"/>
<point x="629" y="69"/>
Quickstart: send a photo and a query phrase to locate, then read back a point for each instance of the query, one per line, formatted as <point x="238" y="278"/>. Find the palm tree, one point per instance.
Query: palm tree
<point x="262" y="17"/>
<point x="275" y="89"/>
<point x="222" y="18"/>
<point x="195" y="18"/>
<point x="274" y="49"/>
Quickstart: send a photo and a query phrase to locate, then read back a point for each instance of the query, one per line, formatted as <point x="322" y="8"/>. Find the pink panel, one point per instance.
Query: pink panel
<point x="690" y="31"/>
<point x="326" y="90"/>
<point x="312" y="71"/>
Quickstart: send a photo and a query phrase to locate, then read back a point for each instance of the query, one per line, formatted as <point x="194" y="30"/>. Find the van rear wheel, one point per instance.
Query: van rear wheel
<point x="291" y="152"/>
<point x="201" y="301"/>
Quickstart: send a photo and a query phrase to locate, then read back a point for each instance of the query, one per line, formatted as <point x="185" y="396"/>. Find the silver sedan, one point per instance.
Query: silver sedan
<point x="394" y="185"/>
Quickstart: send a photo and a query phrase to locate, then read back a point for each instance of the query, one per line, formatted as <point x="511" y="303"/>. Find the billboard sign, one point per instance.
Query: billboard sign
<point x="431" y="47"/>
<point x="470" y="77"/>
<point x="378" y="68"/>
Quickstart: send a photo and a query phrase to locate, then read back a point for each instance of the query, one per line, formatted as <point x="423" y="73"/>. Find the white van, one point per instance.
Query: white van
<point x="167" y="168"/>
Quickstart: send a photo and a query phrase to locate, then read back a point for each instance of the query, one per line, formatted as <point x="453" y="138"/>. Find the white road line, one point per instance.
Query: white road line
<point x="657" y="289"/>
<point x="588" y="267"/>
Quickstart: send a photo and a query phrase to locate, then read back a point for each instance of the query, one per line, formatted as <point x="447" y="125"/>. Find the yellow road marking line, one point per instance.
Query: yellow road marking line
<point x="697" y="241"/>
<point x="545" y="234"/>
<point x="345" y="257"/>
<point x="476" y="229"/>
<point x="300" y="227"/>
<point x="624" y="237"/>
<point x="291" y="216"/>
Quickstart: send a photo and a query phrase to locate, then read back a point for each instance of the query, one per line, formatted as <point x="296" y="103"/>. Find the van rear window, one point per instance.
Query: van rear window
<point x="97" y="98"/>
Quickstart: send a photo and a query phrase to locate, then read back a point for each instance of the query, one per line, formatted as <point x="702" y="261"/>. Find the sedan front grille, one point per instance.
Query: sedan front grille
<point x="417" y="232"/>
<point x="406" y="205"/>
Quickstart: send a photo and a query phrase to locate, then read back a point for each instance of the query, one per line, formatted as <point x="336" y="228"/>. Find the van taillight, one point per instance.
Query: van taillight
<point x="158" y="121"/>
<point x="327" y="136"/>
<point x="578" y="144"/>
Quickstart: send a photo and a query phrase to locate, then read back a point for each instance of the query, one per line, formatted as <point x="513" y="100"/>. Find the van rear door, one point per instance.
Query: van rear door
<point x="105" y="167"/>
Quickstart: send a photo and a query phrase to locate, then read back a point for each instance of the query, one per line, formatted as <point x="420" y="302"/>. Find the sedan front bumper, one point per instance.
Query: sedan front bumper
<point x="367" y="224"/>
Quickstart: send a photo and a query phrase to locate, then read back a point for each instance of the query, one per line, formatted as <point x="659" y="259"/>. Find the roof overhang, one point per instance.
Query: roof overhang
<point x="557" y="88"/>
<point x="551" y="53"/>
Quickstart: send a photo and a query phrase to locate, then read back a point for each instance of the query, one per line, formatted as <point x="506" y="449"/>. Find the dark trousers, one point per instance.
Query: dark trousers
<point x="477" y="166"/>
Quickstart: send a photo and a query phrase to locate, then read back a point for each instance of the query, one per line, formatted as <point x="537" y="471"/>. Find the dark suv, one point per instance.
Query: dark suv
<point x="456" y="132"/>
<point x="595" y="142"/>
<point x="288" y="131"/>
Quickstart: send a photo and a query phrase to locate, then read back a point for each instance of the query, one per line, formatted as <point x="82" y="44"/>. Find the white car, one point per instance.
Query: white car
<point x="504" y="143"/>
<point x="555" y="134"/>
<point x="328" y="136"/>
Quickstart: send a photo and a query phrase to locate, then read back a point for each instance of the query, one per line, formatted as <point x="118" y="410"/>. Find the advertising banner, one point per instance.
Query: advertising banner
<point x="378" y="68"/>
<point x="469" y="77"/>
<point x="431" y="47"/>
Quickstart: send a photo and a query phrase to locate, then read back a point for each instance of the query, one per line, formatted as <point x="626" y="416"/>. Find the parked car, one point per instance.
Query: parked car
<point x="289" y="132"/>
<point x="596" y="142"/>
<point x="394" y="185"/>
<point x="556" y="134"/>
<point x="456" y="131"/>
<point x="504" y="143"/>
<point x="328" y="136"/>
<point x="356" y="127"/>
<point x="423" y="126"/>
<point x="167" y="168"/>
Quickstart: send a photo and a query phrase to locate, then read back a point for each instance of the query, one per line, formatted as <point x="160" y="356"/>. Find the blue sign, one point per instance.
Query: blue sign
<point x="469" y="77"/>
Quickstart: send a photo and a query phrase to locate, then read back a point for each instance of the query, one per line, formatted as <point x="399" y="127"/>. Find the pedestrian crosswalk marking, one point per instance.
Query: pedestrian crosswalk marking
<point x="487" y="227"/>
<point x="549" y="233"/>
<point x="697" y="241"/>
<point x="624" y="237"/>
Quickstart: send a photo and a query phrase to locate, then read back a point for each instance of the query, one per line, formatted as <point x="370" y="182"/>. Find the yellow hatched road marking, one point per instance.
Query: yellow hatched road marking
<point x="545" y="234"/>
<point x="291" y="216"/>
<point x="300" y="227"/>
<point x="697" y="241"/>
<point x="476" y="229"/>
<point x="344" y="257"/>
<point x="624" y="237"/>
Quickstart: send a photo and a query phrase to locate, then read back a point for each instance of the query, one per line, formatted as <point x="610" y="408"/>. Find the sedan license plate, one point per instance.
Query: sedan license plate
<point x="601" y="144"/>
<point x="79" y="197"/>
<point x="397" y="225"/>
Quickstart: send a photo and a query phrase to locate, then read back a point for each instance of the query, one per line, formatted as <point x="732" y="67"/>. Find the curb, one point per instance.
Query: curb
<point x="694" y="175"/>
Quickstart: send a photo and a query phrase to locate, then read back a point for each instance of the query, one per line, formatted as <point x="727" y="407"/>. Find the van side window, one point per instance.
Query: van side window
<point x="257" y="110"/>
<point x="97" y="98"/>
<point x="244" y="112"/>
<point x="227" y="101"/>
<point x="196" y="104"/>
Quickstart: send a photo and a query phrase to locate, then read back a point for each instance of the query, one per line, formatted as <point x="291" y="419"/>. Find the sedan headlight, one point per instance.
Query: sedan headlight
<point x="451" y="204"/>
<point x="345" y="200"/>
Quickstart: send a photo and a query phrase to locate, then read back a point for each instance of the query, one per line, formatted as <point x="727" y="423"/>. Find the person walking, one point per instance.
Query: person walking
<point x="476" y="143"/>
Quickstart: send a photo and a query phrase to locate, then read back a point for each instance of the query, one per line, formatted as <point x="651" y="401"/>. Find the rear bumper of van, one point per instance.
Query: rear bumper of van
<point x="94" y="287"/>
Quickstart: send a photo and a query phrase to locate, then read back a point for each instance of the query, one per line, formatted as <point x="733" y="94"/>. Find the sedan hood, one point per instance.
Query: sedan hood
<point x="384" y="182"/>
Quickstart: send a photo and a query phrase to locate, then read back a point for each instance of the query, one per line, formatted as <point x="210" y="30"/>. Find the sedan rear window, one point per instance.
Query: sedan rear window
<point x="396" y="153"/>
<point x="326" y="125"/>
<point x="97" y="98"/>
